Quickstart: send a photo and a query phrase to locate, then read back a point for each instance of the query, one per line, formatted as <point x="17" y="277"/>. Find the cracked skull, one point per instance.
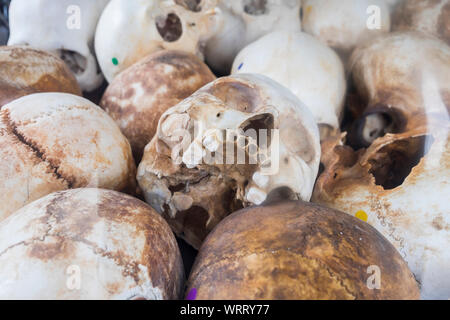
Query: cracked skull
<point x="130" y="30"/>
<point x="246" y="135"/>
<point x="429" y="16"/>
<point x="310" y="69"/>
<point x="65" y="27"/>
<point x="344" y="24"/>
<point x="88" y="244"/>
<point x="56" y="141"/>
<point x="25" y="71"/>
<point x="243" y="21"/>
<point x="397" y="181"/>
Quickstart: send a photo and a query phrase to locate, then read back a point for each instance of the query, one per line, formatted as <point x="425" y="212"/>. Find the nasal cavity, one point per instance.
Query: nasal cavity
<point x="255" y="7"/>
<point x="169" y="27"/>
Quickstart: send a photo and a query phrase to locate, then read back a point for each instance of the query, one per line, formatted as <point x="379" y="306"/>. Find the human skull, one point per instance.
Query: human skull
<point x="393" y="83"/>
<point x="89" y="244"/>
<point x="65" y="27"/>
<point x="400" y="182"/>
<point x="429" y="16"/>
<point x="56" y="141"/>
<point x="344" y="24"/>
<point x="130" y="30"/>
<point x="25" y="71"/>
<point x="196" y="182"/>
<point x="298" y="250"/>
<point x="310" y="69"/>
<point x="243" y="21"/>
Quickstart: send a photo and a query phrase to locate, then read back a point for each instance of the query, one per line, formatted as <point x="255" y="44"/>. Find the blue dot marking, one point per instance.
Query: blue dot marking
<point x="240" y="66"/>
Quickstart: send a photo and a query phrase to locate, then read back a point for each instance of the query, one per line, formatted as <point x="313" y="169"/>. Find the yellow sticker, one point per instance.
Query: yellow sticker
<point x="308" y="9"/>
<point x="362" y="215"/>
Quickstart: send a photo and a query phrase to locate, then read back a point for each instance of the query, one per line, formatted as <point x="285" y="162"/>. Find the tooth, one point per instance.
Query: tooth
<point x="256" y="196"/>
<point x="260" y="180"/>
<point x="193" y="155"/>
<point x="211" y="143"/>
<point x="182" y="202"/>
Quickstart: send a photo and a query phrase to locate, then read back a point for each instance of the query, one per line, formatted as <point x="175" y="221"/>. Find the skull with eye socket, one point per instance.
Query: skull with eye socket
<point x="130" y="30"/>
<point x="396" y="175"/>
<point x="63" y="27"/>
<point x="228" y="146"/>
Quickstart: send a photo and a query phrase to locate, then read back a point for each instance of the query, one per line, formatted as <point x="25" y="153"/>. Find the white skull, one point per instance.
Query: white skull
<point x="310" y="69"/>
<point x="244" y="21"/>
<point x="194" y="193"/>
<point x="65" y="27"/>
<point x="399" y="184"/>
<point x="130" y="30"/>
<point x="343" y="24"/>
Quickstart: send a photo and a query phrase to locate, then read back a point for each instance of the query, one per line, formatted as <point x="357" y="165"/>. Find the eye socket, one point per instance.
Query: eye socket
<point x="169" y="27"/>
<point x="255" y="7"/>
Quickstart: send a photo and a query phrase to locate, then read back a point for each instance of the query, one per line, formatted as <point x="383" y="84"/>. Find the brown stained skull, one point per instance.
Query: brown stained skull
<point x="138" y="97"/>
<point x="190" y="176"/>
<point x="397" y="179"/>
<point x="89" y="244"/>
<point x="297" y="250"/>
<point x="24" y="71"/>
<point x="429" y="16"/>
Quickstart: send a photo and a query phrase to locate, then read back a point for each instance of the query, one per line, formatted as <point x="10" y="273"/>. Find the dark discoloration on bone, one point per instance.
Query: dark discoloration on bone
<point x="236" y="94"/>
<point x="138" y="97"/>
<point x="25" y="71"/>
<point x="429" y="16"/>
<point x="297" y="250"/>
<point x="75" y="216"/>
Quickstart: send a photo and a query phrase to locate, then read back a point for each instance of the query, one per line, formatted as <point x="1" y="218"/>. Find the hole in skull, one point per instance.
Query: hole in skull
<point x="255" y="7"/>
<point x="192" y="5"/>
<point x="374" y="125"/>
<point x="169" y="27"/>
<point x="76" y="62"/>
<point x="392" y="164"/>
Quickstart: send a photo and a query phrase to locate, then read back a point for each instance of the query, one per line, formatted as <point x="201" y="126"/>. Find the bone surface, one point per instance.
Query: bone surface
<point x="24" y="71"/>
<point x="130" y="30"/>
<point x="65" y="27"/>
<point x="297" y="250"/>
<point x="242" y="22"/>
<point x="138" y="97"/>
<point x="311" y="70"/>
<point x="398" y="181"/>
<point x="429" y="16"/>
<point x="56" y="141"/>
<point x="89" y="244"/>
<point x="184" y="158"/>
<point x="343" y="24"/>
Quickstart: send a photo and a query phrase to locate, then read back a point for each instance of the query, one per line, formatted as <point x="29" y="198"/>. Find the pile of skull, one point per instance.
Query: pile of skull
<point x="342" y="193"/>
